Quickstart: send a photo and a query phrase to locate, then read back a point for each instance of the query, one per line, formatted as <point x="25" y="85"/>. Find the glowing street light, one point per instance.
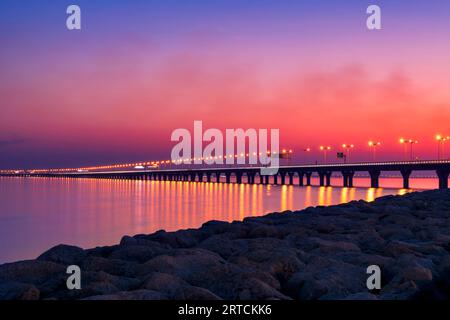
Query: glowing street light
<point x="325" y="149"/>
<point x="347" y="147"/>
<point x="306" y="151"/>
<point x="440" y="144"/>
<point x="373" y="145"/>
<point x="411" y="142"/>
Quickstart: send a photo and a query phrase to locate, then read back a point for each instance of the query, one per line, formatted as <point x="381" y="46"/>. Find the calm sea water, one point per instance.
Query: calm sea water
<point x="37" y="213"/>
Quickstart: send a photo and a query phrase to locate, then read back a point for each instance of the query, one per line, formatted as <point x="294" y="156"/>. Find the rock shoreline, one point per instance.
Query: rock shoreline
<point x="316" y="253"/>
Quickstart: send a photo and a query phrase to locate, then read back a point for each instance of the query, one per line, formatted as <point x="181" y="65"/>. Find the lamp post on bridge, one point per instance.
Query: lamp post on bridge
<point x="347" y="148"/>
<point x="441" y="145"/>
<point x="325" y="150"/>
<point x="411" y="142"/>
<point x="373" y="145"/>
<point x="307" y="150"/>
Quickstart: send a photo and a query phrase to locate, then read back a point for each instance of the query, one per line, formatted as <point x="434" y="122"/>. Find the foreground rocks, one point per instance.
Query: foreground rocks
<point x="316" y="253"/>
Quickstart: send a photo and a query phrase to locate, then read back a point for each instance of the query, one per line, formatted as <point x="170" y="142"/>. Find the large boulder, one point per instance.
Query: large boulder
<point x="63" y="254"/>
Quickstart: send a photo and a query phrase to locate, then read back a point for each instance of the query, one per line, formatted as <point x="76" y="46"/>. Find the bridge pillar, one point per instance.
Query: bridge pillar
<point x="328" y="179"/>
<point x="405" y="175"/>
<point x="239" y="177"/>
<point x="264" y="179"/>
<point x="228" y="177"/>
<point x="321" y="178"/>
<point x="374" y="178"/>
<point x="291" y="178"/>
<point x="192" y="177"/>
<point x="348" y="178"/>
<point x="275" y="179"/>
<point x="351" y="174"/>
<point x="250" y="178"/>
<point x="308" y="178"/>
<point x="443" y="178"/>
<point x="208" y="177"/>
<point x="300" y="178"/>
<point x="283" y="178"/>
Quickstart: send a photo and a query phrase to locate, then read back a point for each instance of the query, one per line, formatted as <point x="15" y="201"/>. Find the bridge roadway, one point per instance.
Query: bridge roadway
<point x="285" y="173"/>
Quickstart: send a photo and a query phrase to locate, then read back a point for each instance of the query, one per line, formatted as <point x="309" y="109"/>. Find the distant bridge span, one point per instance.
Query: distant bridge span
<point x="285" y="173"/>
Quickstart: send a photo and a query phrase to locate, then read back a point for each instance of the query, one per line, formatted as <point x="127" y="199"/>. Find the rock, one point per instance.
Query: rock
<point x="326" y="246"/>
<point x="194" y="293"/>
<point x="18" y="291"/>
<point x="30" y="271"/>
<point x="63" y="254"/>
<point x="130" y="295"/>
<point x="176" y="288"/>
<point x="396" y="248"/>
<point x="138" y="253"/>
<point x="185" y="263"/>
<point x="264" y="232"/>
<point x="417" y="273"/>
<point x="361" y="296"/>
<point x="223" y="246"/>
<point x="112" y="266"/>
<point x="178" y="239"/>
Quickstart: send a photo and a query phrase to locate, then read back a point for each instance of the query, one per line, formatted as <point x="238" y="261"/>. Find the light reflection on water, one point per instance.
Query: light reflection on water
<point x="37" y="213"/>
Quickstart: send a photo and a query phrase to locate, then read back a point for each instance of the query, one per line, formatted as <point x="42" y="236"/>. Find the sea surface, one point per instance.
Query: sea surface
<point x="38" y="213"/>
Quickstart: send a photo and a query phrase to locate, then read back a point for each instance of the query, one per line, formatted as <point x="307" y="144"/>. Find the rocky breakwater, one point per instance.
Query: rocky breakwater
<point x="316" y="253"/>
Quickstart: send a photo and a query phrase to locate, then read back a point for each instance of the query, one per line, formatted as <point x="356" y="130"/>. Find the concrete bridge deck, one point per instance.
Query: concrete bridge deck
<point x="285" y="174"/>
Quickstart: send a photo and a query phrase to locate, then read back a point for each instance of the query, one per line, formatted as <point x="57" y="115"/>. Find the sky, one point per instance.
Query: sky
<point x="114" y="91"/>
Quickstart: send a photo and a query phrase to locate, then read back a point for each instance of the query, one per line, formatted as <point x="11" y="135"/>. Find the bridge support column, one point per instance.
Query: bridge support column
<point x="328" y="179"/>
<point x="250" y="178"/>
<point x="405" y="175"/>
<point x="283" y="178"/>
<point x="443" y="178"/>
<point x="291" y="178"/>
<point x="239" y="178"/>
<point x="228" y="177"/>
<point x="321" y="178"/>
<point x="374" y="178"/>
<point x="308" y="178"/>
<point x="265" y="179"/>
<point x="208" y="177"/>
<point x="275" y="179"/>
<point x="348" y="179"/>
<point x="300" y="178"/>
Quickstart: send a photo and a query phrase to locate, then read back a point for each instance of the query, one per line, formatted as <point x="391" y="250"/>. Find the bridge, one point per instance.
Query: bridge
<point x="285" y="174"/>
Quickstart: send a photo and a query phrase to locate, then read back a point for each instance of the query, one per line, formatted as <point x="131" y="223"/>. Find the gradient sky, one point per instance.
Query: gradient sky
<point x="114" y="91"/>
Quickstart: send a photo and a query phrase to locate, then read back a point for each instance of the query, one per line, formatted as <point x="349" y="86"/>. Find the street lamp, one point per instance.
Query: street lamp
<point x="411" y="142"/>
<point x="347" y="147"/>
<point x="440" y="144"/>
<point x="325" y="150"/>
<point x="306" y="151"/>
<point x="373" y="145"/>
